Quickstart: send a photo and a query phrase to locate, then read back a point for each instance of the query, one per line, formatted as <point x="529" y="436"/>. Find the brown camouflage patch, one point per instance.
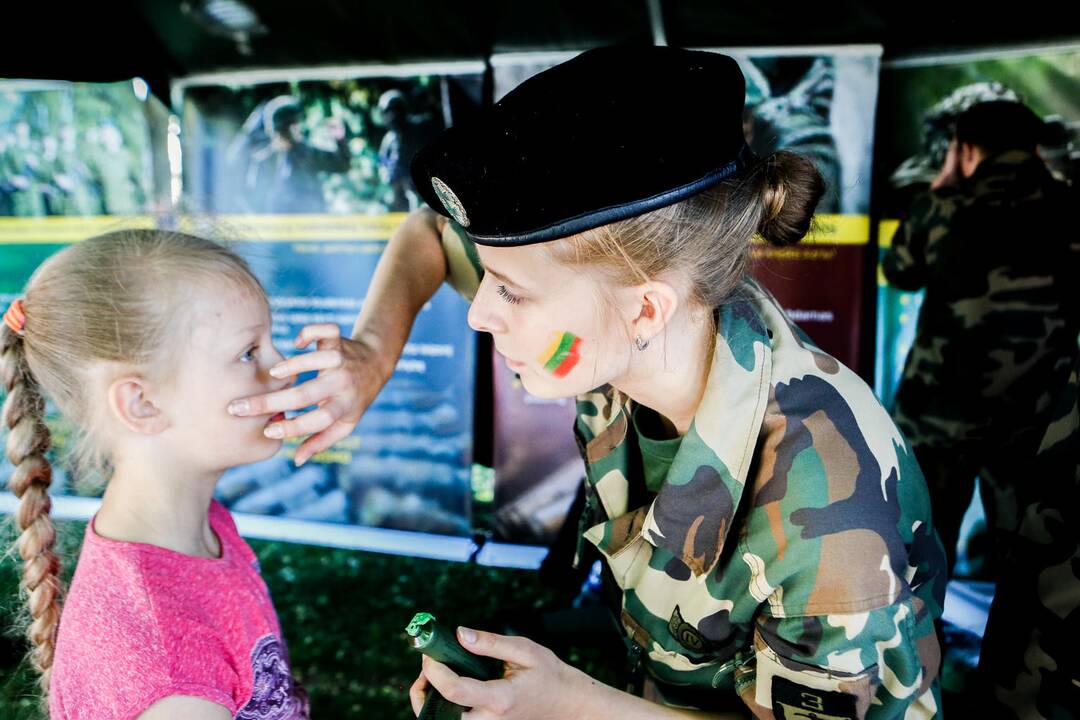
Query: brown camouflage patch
<point x="837" y="457"/>
<point x="608" y="441"/>
<point x="850" y="577"/>
<point x="773" y="431"/>
<point x="636" y="631"/>
<point x="624" y="530"/>
<point x="776" y="525"/>
<point x="826" y="363"/>
<point x="930" y="656"/>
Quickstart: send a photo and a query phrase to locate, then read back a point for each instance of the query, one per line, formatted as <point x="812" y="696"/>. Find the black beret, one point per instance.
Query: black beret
<point x="613" y="133"/>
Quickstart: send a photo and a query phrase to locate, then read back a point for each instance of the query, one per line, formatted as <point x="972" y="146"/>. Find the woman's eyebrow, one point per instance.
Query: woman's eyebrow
<point x="499" y="276"/>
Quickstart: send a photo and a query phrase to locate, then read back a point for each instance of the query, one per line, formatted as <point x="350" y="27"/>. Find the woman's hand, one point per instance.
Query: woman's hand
<point x="350" y="374"/>
<point x="537" y="684"/>
<point x="353" y="371"/>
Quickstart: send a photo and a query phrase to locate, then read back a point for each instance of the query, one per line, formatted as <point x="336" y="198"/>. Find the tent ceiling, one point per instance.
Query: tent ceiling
<point x="161" y="39"/>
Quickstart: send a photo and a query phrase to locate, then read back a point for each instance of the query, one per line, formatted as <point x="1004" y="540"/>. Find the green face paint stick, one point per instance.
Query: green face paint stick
<point x="442" y="645"/>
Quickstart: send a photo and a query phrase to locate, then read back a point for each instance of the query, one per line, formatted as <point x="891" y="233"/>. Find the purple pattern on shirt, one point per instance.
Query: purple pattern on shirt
<point x="272" y="694"/>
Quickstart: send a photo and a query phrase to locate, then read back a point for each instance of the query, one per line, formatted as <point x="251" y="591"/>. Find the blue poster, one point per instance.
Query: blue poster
<point x="307" y="178"/>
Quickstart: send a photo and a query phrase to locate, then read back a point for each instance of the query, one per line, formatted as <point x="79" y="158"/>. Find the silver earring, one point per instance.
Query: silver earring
<point x="640" y="344"/>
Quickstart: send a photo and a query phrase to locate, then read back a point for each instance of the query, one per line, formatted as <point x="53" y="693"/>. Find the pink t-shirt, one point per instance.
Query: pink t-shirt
<point x="141" y="623"/>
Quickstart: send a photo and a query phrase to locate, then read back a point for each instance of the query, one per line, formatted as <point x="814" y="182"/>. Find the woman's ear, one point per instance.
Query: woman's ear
<point x="130" y="401"/>
<point x="651" y="306"/>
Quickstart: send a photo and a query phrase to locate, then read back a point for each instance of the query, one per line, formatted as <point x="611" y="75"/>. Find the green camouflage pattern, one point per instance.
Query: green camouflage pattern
<point x="20" y="182"/>
<point x="1030" y="655"/>
<point x="998" y="327"/>
<point x="790" y="545"/>
<point x="463" y="268"/>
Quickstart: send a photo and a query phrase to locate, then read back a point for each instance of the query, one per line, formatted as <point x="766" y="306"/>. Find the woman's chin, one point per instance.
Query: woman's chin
<point x="546" y="388"/>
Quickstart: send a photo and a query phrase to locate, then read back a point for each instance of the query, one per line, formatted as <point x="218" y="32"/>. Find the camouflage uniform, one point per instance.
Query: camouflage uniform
<point x="295" y="185"/>
<point x="77" y="200"/>
<point x="115" y="180"/>
<point x="28" y="201"/>
<point x="1030" y="655"/>
<point x="787" y="558"/>
<point x="997" y="332"/>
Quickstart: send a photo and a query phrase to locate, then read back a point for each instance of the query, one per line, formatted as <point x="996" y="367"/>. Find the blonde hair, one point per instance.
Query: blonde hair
<point x="115" y="298"/>
<point x="705" y="238"/>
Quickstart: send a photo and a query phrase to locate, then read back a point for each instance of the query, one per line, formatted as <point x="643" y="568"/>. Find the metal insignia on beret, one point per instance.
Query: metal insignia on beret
<point x="450" y="201"/>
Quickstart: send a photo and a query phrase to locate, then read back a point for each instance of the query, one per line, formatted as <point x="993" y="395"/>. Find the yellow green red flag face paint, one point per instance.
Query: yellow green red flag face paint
<point x="562" y="354"/>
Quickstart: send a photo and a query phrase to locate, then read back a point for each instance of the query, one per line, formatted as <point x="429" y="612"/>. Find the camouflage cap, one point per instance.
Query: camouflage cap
<point x="939" y="125"/>
<point x="1001" y="125"/>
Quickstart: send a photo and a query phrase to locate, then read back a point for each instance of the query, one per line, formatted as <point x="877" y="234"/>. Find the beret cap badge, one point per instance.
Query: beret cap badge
<point x="450" y="201"/>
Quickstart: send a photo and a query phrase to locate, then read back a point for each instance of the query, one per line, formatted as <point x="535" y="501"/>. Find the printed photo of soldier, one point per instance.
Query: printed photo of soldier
<point x="314" y="147"/>
<point x="320" y="147"/>
<point x="69" y="149"/>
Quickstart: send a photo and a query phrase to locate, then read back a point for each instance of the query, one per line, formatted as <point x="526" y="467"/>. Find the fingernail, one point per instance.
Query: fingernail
<point x="277" y="371"/>
<point x="274" y="431"/>
<point x="300" y="462"/>
<point x="467" y="636"/>
<point x="239" y="407"/>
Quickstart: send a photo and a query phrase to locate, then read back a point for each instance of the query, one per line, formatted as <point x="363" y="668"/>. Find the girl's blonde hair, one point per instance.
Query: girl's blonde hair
<point x="115" y="298"/>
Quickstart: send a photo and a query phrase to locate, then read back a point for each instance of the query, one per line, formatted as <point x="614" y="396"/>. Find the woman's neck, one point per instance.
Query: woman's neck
<point x="159" y="503"/>
<point x="671" y="374"/>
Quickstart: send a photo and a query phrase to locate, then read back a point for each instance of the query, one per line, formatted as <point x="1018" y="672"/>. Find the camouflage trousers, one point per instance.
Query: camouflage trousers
<point x="1031" y="652"/>
<point x="1003" y="475"/>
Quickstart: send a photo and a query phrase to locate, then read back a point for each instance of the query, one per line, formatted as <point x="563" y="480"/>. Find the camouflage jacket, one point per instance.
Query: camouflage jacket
<point x="1000" y="260"/>
<point x="788" y="557"/>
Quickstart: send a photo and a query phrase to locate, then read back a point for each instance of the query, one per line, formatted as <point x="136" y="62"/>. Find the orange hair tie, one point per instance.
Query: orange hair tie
<point x="15" y="317"/>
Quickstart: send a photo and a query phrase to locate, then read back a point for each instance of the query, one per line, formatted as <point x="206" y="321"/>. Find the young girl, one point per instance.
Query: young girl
<point x="142" y="338"/>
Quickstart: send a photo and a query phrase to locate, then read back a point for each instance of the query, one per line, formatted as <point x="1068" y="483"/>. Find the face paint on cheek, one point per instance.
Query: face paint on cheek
<point x="562" y="354"/>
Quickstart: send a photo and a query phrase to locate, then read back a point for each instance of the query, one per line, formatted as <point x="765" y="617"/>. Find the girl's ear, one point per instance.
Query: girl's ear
<point x="129" y="401"/>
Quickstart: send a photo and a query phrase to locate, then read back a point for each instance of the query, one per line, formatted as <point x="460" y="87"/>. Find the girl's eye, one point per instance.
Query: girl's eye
<point x="249" y="354"/>
<point x="507" y="295"/>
